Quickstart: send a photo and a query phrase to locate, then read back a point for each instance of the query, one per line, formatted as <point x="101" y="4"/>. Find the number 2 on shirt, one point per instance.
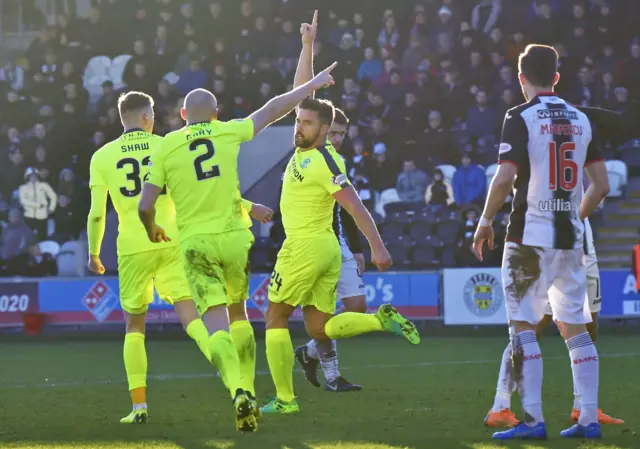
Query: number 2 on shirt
<point x="197" y="163"/>
<point x="568" y="168"/>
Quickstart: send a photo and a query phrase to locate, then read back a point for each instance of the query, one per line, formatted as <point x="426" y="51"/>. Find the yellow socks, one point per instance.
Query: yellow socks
<point x="280" y="358"/>
<point x="135" y="364"/>
<point x="245" y="343"/>
<point x="225" y="357"/>
<point x="198" y="333"/>
<point x="350" y="324"/>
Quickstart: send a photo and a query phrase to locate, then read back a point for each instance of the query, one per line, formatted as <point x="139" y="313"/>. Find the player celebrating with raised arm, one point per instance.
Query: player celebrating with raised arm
<point x="199" y="166"/>
<point x="545" y="145"/>
<point x="307" y="270"/>
<point x="350" y="285"/>
<point x="118" y="169"/>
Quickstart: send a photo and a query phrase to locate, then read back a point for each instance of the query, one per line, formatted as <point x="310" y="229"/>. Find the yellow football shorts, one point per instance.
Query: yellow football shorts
<point x="307" y="272"/>
<point x="140" y="272"/>
<point x="217" y="267"/>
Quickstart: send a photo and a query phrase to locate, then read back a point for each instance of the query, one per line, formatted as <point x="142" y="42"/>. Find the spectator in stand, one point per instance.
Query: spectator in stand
<point x="479" y="73"/>
<point x="481" y="118"/>
<point x="16" y="111"/>
<point x="287" y="46"/>
<point x="485" y="15"/>
<point x="373" y="108"/>
<point x="454" y="99"/>
<point x="393" y="93"/>
<point x="407" y="123"/>
<point x="506" y="102"/>
<point x="19" y="250"/>
<point x="544" y="27"/>
<point x="437" y="143"/>
<point x="465" y="256"/>
<point x="411" y="185"/>
<point x="439" y="193"/>
<point x="469" y="183"/>
<point x="378" y="172"/>
<point x="443" y="35"/>
<point x="141" y="80"/>
<point x="629" y="71"/>
<point x="50" y="67"/>
<point x="67" y="183"/>
<point x="412" y="56"/>
<point x="582" y="93"/>
<point x="389" y="36"/>
<point x="192" y="51"/>
<point x="12" y="172"/>
<point x="194" y="78"/>
<point x="38" y="200"/>
<point x="69" y="221"/>
<point x="605" y="91"/>
<point x="12" y="75"/>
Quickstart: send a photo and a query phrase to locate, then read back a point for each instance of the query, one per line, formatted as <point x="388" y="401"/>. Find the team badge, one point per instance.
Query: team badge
<point x="305" y="163"/>
<point x="483" y="295"/>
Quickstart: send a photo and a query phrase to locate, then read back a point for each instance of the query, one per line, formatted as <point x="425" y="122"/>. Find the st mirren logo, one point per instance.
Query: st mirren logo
<point x="483" y="295"/>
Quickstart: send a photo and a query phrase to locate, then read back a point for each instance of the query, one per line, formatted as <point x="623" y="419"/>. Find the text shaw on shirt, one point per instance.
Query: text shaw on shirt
<point x="473" y="296"/>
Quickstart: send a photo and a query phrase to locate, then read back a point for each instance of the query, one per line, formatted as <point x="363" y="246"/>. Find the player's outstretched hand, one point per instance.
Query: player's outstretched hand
<point x="95" y="265"/>
<point x="159" y="235"/>
<point x="261" y="213"/>
<point x="483" y="234"/>
<point x="324" y="78"/>
<point x="308" y="32"/>
<point x="381" y="258"/>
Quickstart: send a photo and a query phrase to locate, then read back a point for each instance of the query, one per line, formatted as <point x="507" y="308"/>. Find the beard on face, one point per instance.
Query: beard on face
<point x="303" y="142"/>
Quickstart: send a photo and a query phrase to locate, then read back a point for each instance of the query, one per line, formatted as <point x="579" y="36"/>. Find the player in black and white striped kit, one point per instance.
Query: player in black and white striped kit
<point x="545" y="145"/>
<point x="350" y="286"/>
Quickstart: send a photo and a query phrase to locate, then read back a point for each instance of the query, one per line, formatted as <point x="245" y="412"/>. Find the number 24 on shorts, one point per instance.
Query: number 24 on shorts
<point x="276" y="279"/>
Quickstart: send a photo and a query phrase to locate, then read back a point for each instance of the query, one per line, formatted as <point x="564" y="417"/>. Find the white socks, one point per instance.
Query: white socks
<point x="527" y="372"/>
<point x="576" y="397"/>
<point x="327" y="353"/>
<point x="584" y="366"/>
<point x="137" y="407"/>
<point x="504" y="387"/>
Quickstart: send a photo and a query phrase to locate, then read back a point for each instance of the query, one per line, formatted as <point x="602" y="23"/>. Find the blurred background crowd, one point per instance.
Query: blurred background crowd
<point x="425" y="84"/>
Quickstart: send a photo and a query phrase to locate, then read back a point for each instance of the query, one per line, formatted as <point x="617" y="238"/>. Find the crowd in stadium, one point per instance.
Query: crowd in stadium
<point x="423" y="83"/>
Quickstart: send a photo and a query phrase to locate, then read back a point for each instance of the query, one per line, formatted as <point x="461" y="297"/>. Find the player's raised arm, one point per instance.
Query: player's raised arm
<point x="304" y="71"/>
<point x="279" y="106"/>
<point x="348" y="198"/>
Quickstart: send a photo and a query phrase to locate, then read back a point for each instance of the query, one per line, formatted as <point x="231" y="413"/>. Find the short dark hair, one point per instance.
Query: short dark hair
<point x="134" y="101"/>
<point x="539" y="64"/>
<point x="325" y="109"/>
<point x="340" y="117"/>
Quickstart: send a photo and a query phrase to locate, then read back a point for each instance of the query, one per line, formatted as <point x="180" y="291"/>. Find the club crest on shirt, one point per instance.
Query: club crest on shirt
<point x="483" y="294"/>
<point x="305" y="163"/>
<point x="504" y="148"/>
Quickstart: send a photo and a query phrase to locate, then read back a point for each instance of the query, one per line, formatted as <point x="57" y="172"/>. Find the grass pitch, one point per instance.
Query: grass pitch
<point x="69" y="395"/>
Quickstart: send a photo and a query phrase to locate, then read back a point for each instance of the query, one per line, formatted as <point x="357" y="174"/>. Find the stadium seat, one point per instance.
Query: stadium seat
<point x="394" y="226"/>
<point x="71" y="259"/>
<point x="491" y="172"/>
<point x="116" y="71"/>
<point x="49" y="247"/>
<point x="420" y="227"/>
<point x="98" y="65"/>
<point x="618" y="175"/>
<point x="425" y="254"/>
<point x="630" y="152"/>
<point x="448" y="256"/>
<point x="448" y="171"/>
<point x="447" y="231"/>
<point x="399" y="250"/>
<point x="386" y="197"/>
<point x="172" y="78"/>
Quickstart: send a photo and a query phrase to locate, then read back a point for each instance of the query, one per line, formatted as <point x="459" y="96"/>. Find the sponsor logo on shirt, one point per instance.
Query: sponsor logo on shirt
<point x="504" y="148"/>
<point x="340" y="180"/>
<point x="557" y="114"/>
<point x="556" y="205"/>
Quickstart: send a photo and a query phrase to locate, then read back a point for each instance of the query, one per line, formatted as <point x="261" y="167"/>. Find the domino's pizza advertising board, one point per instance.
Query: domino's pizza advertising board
<point x="97" y="300"/>
<point x="474" y="296"/>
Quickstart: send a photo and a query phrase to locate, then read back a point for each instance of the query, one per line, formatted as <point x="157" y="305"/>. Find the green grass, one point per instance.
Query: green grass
<point x="67" y="395"/>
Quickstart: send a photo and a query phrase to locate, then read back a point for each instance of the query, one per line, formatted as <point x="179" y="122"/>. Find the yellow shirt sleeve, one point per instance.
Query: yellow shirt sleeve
<point x="243" y="129"/>
<point x="95" y="176"/>
<point x="331" y="174"/>
<point x="157" y="175"/>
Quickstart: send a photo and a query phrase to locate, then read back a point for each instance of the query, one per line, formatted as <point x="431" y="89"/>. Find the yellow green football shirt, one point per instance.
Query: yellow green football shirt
<point x="199" y="166"/>
<point x="310" y="180"/>
<point x="122" y="166"/>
